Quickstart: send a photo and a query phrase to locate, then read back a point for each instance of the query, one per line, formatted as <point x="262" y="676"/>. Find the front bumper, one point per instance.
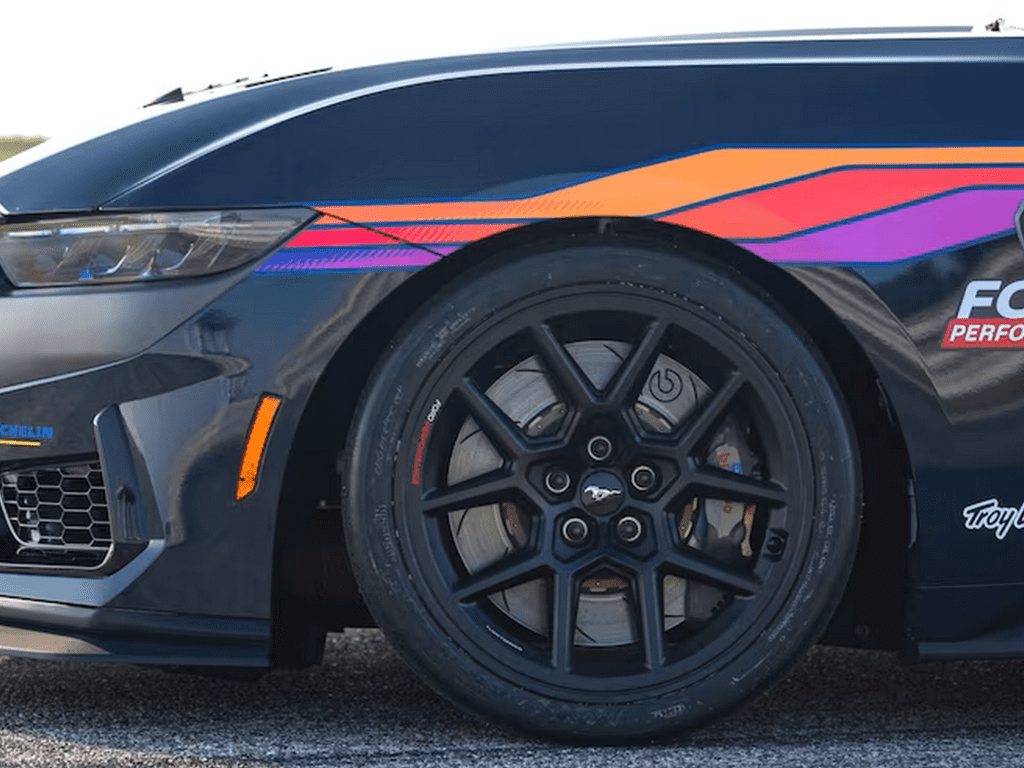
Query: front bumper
<point x="54" y="630"/>
<point x="158" y="384"/>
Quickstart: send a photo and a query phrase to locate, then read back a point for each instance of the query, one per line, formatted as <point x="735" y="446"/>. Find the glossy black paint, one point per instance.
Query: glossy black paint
<point x="185" y="363"/>
<point x="505" y="135"/>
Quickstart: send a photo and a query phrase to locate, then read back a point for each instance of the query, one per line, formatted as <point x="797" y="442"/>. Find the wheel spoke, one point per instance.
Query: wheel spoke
<point x="652" y="622"/>
<point x="469" y="494"/>
<point x="567" y="375"/>
<point x="710" y="414"/>
<point x="695" y="564"/>
<point x="564" y="601"/>
<point x="494" y="422"/>
<point x="729" y="486"/>
<point x="505" y="573"/>
<point x="633" y="373"/>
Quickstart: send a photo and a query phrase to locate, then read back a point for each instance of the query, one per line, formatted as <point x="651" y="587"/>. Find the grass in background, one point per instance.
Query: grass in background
<point x="12" y="145"/>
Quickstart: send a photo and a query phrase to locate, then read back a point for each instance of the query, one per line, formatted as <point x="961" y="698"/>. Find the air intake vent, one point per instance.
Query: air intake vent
<point x="57" y="515"/>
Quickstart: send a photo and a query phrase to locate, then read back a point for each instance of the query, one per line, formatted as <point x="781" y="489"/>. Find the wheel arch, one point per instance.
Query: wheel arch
<point x="313" y="582"/>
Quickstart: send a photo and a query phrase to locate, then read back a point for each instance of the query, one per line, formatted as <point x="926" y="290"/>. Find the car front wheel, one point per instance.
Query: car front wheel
<point x="601" y="491"/>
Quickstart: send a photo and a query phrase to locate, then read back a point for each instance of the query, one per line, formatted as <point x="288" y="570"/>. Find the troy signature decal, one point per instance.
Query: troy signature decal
<point x="1006" y="329"/>
<point x="988" y="514"/>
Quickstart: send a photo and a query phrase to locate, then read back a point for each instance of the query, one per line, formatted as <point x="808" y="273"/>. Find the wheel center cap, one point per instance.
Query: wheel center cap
<point x="601" y="493"/>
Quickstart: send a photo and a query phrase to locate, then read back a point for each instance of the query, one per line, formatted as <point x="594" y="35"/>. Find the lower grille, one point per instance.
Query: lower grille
<point x="57" y="515"/>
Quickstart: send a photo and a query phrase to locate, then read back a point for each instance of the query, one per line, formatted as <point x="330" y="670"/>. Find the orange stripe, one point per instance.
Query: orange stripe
<point x="684" y="181"/>
<point x="255" y="443"/>
<point x="30" y="443"/>
<point x="832" y="197"/>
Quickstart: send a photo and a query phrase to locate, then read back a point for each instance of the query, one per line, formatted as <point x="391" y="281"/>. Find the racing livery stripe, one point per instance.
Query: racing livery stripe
<point x="339" y="236"/>
<point x="764" y="214"/>
<point x="934" y="225"/>
<point x="825" y="205"/>
<point x="673" y="184"/>
<point x="420" y="234"/>
<point x="345" y="259"/>
<point x="833" y="197"/>
<point x="447" y="233"/>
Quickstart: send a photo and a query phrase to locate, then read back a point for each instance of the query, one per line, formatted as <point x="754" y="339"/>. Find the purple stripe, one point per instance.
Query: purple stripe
<point x="936" y="225"/>
<point x="334" y="259"/>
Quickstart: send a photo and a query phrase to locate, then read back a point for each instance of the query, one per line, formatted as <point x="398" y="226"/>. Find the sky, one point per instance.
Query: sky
<point x="66" y="67"/>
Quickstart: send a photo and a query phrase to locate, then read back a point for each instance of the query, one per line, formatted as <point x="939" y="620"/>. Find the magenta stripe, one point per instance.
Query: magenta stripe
<point x="935" y="225"/>
<point x="332" y="259"/>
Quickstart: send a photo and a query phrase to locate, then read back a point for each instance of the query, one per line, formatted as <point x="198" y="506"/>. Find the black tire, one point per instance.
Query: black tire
<point x="627" y="606"/>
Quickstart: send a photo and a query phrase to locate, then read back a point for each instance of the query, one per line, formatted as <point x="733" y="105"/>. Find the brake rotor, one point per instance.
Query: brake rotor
<point x="488" y="533"/>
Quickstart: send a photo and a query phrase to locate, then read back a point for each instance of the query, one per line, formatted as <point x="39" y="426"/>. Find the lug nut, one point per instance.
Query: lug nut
<point x="599" y="448"/>
<point x="557" y="481"/>
<point x="643" y="478"/>
<point x="575" y="530"/>
<point x="629" y="530"/>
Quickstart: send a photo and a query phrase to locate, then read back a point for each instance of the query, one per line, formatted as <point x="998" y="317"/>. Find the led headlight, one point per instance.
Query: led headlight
<point x="141" y="246"/>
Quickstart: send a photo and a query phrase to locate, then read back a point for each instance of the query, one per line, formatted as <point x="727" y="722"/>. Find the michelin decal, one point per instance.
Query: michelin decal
<point x="24" y="435"/>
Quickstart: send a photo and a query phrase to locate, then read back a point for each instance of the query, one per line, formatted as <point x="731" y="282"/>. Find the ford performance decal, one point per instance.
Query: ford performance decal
<point x="788" y="205"/>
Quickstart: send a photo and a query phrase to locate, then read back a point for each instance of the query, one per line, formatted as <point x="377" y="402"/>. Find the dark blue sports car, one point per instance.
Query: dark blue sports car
<point x="604" y="379"/>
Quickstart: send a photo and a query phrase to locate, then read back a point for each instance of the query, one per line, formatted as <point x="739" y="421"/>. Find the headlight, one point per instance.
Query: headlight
<point x="141" y="246"/>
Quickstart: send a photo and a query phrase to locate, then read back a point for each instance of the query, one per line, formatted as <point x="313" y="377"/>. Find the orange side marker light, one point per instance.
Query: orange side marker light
<point x="255" y="442"/>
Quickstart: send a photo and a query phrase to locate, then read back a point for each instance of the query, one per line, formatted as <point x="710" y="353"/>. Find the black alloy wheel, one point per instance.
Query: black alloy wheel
<point x="607" y="504"/>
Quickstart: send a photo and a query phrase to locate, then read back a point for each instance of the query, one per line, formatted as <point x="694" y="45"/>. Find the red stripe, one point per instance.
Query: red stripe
<point x="423" y="234"/>
<point x="315" y="238"/>
<point x="445" y="233"/>
<point x="832" y="197"/>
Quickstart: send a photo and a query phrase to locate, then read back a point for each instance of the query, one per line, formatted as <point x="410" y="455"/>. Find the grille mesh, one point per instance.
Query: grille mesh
<point x="58" y="514"/>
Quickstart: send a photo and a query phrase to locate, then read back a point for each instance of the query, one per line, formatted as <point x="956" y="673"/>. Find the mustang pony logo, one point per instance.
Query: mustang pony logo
<point x="599" y="494"/>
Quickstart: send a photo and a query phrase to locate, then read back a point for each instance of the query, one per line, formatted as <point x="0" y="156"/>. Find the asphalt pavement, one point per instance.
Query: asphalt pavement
<point x="363" y="707"/>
